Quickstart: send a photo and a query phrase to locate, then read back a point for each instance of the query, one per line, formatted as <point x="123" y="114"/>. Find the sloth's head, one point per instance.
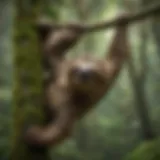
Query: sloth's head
<point x="87" y="74"/>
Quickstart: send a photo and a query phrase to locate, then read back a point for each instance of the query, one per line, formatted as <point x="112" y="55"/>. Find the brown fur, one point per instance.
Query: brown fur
<point x="67" y="95"/>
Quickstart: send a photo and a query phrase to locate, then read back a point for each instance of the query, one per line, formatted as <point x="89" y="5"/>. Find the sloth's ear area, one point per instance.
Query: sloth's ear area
<point x="44" y="26"/>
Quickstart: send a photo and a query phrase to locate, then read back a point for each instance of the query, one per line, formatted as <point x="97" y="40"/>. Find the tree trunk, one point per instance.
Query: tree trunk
<point x="28" y="88"/>
<point x="155" y="28"/>
<point x="141" y="104"/>
<point x="138" y="80"/>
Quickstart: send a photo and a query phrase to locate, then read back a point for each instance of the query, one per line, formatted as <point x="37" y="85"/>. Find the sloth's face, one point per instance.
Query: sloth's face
<point x="87" y="74"/>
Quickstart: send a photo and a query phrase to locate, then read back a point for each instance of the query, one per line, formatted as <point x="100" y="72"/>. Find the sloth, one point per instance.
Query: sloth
<point x="78" y="84"/>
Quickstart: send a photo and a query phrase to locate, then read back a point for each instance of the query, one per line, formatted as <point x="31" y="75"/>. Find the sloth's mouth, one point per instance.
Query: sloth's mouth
<point x="82" y="86"/>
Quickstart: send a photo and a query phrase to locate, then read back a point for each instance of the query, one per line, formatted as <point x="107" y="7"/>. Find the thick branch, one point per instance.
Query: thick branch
<point x="85" y="28"/>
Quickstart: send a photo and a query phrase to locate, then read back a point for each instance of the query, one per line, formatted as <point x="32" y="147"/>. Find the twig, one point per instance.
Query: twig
<point x="144" y="13"/>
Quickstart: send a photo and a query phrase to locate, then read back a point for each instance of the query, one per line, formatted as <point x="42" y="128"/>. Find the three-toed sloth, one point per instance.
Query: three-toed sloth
<point x="78" y="84"/>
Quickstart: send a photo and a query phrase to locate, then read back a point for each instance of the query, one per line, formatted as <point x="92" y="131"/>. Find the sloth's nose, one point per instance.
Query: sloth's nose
<point x="84" y="74"/>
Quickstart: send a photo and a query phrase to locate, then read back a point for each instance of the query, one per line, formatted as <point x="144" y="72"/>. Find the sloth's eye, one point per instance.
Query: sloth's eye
<point x="83" y="74"/>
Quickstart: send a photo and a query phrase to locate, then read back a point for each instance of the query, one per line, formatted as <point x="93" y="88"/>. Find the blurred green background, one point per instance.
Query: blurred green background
<point x="125" y="121"/>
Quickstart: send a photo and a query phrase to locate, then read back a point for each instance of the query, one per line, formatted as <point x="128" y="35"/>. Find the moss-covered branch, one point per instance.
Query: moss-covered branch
<point x="86" y="28"/>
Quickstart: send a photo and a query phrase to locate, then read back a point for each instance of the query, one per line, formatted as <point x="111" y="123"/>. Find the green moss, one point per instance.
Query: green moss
<point x="146" y="151"/>
<point x="27" y="90"/>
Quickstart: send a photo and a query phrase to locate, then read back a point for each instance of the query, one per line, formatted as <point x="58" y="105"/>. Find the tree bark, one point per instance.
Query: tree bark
<point x="138" y="80"/>
<point x="155" y="28"/>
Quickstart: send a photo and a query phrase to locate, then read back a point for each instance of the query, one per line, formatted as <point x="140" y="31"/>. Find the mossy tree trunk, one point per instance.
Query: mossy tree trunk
<point x="27" y="94"/>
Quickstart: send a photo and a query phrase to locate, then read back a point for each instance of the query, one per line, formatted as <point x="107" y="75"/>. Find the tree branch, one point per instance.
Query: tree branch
<point x="85" y="28"/>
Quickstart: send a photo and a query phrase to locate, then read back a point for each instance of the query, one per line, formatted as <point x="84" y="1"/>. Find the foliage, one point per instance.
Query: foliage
<point x="147" y="151"/>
